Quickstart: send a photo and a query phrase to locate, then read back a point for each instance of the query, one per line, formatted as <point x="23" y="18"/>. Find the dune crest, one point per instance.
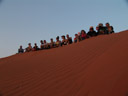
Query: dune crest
<point x="94" y="67"/>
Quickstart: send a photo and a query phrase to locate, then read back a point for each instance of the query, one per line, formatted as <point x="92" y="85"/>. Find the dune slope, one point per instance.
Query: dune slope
<point x="94" y="67"/>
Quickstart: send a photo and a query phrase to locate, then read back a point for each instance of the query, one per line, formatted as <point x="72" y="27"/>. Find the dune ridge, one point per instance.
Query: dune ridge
<point x="94" y="67"/>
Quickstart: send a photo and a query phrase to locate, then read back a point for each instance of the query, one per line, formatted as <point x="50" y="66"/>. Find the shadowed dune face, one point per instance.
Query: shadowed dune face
<point x="94" y="67"/>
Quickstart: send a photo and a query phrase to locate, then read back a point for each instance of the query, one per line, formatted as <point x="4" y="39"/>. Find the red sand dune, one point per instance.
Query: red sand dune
<point x="94" y="67"/>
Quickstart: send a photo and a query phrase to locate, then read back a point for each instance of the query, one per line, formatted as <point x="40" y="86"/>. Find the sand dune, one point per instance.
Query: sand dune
<point x="94" y="67"/>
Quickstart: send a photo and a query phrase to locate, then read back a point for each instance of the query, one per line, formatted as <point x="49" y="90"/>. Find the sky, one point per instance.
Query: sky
<point x="29" y="21"/>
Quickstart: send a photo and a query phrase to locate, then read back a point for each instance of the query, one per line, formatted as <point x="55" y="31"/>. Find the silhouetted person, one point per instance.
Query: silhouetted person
<point x="64" y="41"/>
<point x="97" y="30"/>
<point x="76" y="39"/>
<point x="91" y="32"/>
<point x="20" y="50"/>
<point x="58" y="42"/>
<point x="101" y="29"/>
<point x="79" y="37"/>
<point x="46" y="45"/>
<point x="83" y="35"/>
<point x="35" y="48"/>
<point x="52" y="43"/>
<point x="29" y="48"/>
<point x="69" y="39"/>
<point x="41" y="46"/>
<point x="109" y="29"/>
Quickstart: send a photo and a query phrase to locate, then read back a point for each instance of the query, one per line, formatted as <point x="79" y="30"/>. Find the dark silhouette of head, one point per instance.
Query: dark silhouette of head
<point x="41" y="41"/>
<point x="51" y="39"/>
<point x="107" y="24"/>
<point x="67" y="36"/>
<point x="20" y="46"/>
<point x="35" y="44"/>
<point x="83" y="32"/>
<point x="57" y="38"/>
<point x="29" y="44"/>
<point x="63" y="37"/>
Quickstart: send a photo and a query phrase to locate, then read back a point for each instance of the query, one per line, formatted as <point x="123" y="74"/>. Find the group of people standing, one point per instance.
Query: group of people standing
<point x="66" y="40"/>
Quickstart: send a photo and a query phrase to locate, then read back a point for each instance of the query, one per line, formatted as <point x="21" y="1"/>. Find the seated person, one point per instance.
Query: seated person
<point x="41" y="46"/>
<point x="46" y="45"/>
<point x="29" y="48"/>
<point x="97" y="29"/>
<point x="109" y="29"/>
<point x="91" y="32"/>
<point x="64" y="41"/>
<point x="69" y="39"/>
<point x="58" y="42"/>
<point x="79" y="37"/>
<point x="76" y="39"/>
<point x="52" y="43"/>
<point x="83" y="35"/>
<point x="101" y="29"/>
<point x="20" y="50"/>
<point x="35" y="48"/>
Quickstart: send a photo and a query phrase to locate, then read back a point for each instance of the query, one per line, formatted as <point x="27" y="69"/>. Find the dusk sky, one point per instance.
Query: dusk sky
<point x="24" y="21"/>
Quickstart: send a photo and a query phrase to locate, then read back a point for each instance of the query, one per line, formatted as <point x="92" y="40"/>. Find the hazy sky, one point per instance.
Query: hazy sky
<point x="24" y="21"/>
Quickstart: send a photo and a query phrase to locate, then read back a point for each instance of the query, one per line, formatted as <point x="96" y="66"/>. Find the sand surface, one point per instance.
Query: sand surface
<point x="94" y="67"/>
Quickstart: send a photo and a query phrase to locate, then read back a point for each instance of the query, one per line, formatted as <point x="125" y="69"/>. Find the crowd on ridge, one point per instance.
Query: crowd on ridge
<point x="66" y="40"/>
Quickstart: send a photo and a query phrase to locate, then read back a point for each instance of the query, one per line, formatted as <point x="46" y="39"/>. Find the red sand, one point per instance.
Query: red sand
<point x="94" y="67"/>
